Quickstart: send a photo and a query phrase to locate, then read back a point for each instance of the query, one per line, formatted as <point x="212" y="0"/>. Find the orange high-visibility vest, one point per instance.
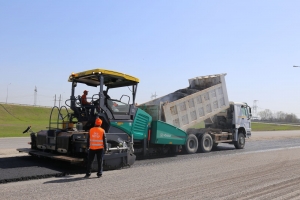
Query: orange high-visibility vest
<point x="96" y="138"/>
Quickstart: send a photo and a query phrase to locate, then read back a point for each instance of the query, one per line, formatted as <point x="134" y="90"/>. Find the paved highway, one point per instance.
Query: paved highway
<point x="266" y="169"/>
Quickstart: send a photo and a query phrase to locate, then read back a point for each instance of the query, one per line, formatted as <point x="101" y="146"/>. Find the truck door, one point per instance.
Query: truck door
<point x="244" y="119"/>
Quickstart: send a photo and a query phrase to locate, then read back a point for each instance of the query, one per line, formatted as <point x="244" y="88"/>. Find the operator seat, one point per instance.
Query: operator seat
<point x="81" y="108"/>
<point x="88" y="109"/>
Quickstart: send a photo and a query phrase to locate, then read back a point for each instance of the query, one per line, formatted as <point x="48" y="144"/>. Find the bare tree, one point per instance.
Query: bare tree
<point x="280" y="116"/>
<point x="292" y="118"/>
<point x="267" y="115"/>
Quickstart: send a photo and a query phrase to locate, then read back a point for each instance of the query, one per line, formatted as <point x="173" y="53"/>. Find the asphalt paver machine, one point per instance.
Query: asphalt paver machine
<point x="66" y="136"/>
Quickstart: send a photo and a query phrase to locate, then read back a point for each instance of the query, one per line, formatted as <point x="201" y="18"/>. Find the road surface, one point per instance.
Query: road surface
<point x="265" y="169"/>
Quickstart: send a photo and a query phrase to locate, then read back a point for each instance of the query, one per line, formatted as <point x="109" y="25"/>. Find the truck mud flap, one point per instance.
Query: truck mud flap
<point x="248" y="134"/>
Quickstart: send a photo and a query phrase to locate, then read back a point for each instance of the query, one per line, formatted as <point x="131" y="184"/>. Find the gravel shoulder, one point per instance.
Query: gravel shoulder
<point x="274" y="135"/>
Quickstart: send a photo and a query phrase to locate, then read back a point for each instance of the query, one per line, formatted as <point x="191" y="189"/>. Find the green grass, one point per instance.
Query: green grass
<point x="14" y="119"/>
<point x="272" y="127"/>
<point x="262" y="127"/>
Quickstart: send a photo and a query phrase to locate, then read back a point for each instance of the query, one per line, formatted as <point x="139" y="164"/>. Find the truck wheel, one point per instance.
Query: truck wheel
<point x="206" y="143"/>
<point x="191" y="144"/>
<point x="240" y="143"/>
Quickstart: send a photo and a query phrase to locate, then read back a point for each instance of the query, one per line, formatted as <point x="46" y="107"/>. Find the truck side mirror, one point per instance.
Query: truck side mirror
<point x="250" y="115"/>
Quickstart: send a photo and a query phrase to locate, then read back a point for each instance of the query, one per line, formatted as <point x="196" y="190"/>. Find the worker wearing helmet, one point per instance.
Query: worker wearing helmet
<point x="83" y="98"/>
<point x="97" y="146"/>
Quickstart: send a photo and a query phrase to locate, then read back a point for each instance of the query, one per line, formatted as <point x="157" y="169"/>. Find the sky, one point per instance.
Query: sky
<point x="163" y="43"/>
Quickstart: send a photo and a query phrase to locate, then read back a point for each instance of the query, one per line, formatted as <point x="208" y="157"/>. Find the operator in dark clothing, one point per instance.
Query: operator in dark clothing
<point x="97" y="146"/>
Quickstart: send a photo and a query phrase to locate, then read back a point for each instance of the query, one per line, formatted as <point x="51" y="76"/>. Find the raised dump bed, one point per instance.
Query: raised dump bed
<point x="184" y="108"/>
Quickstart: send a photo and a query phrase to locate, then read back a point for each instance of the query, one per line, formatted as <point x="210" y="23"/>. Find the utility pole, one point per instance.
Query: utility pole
<point x="254" y="108"/>
<point x="35" y="95"/>
<point x="55" y="100"/>
<point x="59" y="100"/>
<point x="153" y="96"/>
<point x="7" y="92"/>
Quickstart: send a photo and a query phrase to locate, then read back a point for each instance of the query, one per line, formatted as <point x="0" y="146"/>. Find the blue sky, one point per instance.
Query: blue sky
<point x="164" y="43"/>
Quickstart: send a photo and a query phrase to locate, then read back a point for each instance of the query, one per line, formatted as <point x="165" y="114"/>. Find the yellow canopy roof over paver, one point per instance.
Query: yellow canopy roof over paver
<point x="111" y="78"/>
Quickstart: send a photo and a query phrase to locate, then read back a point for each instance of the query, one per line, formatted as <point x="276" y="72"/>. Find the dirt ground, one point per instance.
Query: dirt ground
<point x="274" y="135"/>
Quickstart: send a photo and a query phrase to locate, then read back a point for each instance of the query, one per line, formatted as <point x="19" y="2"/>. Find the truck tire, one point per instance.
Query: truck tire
<point x="191" y="145"/>
<point x="206" y="143"/>
<point x="240" y="143"/>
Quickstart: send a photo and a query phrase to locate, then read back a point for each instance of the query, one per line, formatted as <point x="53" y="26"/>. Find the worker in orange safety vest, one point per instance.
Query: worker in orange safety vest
<point x="97" y="146"/>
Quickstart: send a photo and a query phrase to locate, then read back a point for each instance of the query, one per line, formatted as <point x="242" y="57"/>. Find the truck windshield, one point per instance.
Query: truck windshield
<point x="244" y="111"/>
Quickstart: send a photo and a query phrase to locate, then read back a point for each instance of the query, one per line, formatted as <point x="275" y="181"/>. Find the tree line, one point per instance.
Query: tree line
<point x="268" y="115"/>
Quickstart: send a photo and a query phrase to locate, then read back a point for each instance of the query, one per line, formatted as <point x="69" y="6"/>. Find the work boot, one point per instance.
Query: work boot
<point x="87" y="176"/>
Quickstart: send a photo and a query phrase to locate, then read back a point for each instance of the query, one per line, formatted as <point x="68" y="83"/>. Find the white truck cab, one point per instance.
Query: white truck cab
<point x="242" y="117"/>
<point x="241" y="123"/>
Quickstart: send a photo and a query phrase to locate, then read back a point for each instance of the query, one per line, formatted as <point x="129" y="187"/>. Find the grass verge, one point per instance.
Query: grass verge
<point x="272" y="127"/>
<point x="256" y="126"/>
<point x="14" y="119"/>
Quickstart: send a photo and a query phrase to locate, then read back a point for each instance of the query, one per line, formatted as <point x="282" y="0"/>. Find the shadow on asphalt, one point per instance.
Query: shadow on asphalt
<point x="66" y="180"/>
<point x="223" y="148"/>
<point x="218" y="148"/>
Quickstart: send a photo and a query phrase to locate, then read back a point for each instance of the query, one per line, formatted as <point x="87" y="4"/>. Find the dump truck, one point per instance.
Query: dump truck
<point x="204" y="101"/>
<point x="166" y="125"/>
